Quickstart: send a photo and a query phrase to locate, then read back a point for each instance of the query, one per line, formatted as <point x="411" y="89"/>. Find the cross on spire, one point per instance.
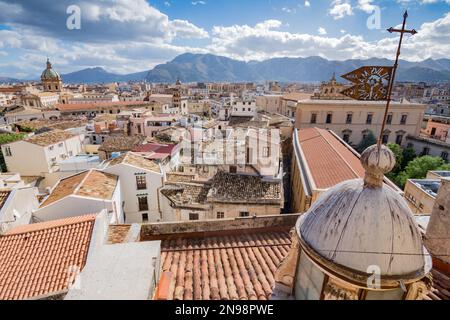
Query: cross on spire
<point x="402" y="32"/>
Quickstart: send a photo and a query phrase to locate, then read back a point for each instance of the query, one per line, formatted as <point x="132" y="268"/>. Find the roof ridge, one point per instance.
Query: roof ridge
<point x="51" y="224"/>
<point x="75" y="191"/>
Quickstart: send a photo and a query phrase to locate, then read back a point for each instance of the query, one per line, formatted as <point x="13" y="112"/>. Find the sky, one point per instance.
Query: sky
<point x="125" y="36"/>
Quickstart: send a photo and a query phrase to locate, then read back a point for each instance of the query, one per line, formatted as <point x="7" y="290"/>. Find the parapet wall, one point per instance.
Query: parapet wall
<point x="152" y="231"/>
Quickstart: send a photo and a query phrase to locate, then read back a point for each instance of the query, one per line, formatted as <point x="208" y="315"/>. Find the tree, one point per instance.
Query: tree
<point x="408" y="155"/>
<point x="398" y="153"/>
<point x="367" y="141"/>
<point x="419" y="167"/>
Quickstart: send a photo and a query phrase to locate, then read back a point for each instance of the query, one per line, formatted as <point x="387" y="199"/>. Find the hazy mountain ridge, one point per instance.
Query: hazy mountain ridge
<point x="190" y="67"/>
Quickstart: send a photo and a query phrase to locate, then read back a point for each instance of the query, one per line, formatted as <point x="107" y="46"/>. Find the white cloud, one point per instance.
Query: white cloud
<point x="340" y="8"/>
<point x="265" y="40"/>
<point x="322" y="31"/>
<point x="307" y="3"/>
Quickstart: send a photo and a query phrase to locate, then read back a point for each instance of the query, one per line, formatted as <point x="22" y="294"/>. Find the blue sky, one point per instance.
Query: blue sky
<point x="134" y="35"/>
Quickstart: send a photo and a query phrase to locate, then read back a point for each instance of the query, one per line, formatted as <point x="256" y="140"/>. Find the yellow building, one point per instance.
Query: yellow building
<point x="352" y="120"/>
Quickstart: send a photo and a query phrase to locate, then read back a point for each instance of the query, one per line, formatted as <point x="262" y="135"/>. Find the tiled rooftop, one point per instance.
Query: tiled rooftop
<point x="441" y="287"/>
<point x="55" y="124"/>
<point x="35" y="259"/>
<point x="227" y="266"/>
<point x="3" y="197"/>
<point x="228" y="187"/>
<point x="92" y="184"/>
<point x="117" y="143"/>
<point x="187" y="194"/>
<point x="49" y="138"/>
<point x="328" y="160"/>
<point x="179" y="177"/>
<point x="135" y="160"/>
<point x="98" y="105"/>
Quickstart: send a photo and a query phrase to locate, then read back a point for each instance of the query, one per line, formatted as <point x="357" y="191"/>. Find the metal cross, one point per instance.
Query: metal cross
<point x="402" y="31"/>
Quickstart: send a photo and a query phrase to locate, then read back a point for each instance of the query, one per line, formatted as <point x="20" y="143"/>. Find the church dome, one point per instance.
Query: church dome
<point x="49" y="73"/>
<point x="359" y="224"/>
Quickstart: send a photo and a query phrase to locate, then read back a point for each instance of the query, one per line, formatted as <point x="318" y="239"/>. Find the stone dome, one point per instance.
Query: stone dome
<point x="362" y="223"/>
<point x="49" y="73"/>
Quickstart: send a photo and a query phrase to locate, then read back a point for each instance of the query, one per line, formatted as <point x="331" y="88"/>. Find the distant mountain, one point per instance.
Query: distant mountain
<point x="9" y="80"/>
<point x="206" y="67"/>
<point x="100" y="75"/>
<point x="190" y="67"/>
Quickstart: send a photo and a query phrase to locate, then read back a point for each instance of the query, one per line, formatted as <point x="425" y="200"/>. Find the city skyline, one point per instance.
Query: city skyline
<point x="131" y="36"/>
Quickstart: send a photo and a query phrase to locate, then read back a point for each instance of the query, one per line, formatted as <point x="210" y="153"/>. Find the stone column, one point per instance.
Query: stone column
<point x="438" y="230"/>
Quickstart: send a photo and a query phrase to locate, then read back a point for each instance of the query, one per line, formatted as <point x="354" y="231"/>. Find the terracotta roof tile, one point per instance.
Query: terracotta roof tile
<point x="3" y="197"/>
<point x="135" y="160"/>
<point x="230" y="266"/>
<point x="35" y="259"/>
<point x="98" y="105"/>
<point x="441" y="287"/>
<point x="49" y="138"/>
<point x="92" y="183"/>
<point x="330" y="162"/>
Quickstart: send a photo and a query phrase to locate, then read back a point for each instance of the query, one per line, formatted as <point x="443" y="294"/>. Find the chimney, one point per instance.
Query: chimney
<point x="437" y="237"/>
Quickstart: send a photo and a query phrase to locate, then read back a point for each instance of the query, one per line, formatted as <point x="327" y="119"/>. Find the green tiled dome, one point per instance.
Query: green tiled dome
<point x="49" y="73"/>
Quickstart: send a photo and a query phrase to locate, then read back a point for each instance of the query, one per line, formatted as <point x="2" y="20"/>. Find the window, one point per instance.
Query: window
<point x="220" y="215"/>
<point x="141" y="182"/>
<point x="433" y="131"/>
<point x="399" y="139"/>
<point x="193" y="216"/>
<point x="143" y="203"/>
<point x="346" y="137"/>
<point x="425" y="151"/>
<point x="249" y="109"/>
<point x="329" y="118"/>
<point x="243" y="214"/>
<point x="314" y="118"/>
<point x="444" y="155"/>
<point x="266" y="152"/>
<point x="385" y="138"/>
<point x="233" y="169"/>
<point x="389" y="118"/>
<point x="309" y="280"/>
<point x="349" y="118"/>
<point x="50" y="148"/>
<point x="369" y="118"/>
<point x="145" y="217"/>
<point x="8" y="152"/>
<point x="403" y="119"/>
<point x="60" y="145"/>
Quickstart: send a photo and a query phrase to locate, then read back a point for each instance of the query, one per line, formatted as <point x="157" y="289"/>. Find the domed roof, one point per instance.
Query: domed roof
<point x="49" y="73"/>
<point x="362" y="223"/>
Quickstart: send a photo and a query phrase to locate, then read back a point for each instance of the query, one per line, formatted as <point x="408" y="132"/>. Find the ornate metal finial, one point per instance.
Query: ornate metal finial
<point x="377" y="161"/>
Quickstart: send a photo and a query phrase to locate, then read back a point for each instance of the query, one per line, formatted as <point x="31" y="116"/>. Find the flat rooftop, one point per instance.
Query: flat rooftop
<point x="429" y="186"/>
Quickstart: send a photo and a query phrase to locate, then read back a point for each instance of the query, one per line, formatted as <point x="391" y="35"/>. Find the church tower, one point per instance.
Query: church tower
<point x="50" y="79"/>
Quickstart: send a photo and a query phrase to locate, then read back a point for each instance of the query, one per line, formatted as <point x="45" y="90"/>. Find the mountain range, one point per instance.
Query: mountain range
<point x="190" y="67"/>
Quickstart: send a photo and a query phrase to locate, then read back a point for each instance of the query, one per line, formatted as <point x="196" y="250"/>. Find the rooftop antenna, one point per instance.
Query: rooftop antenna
<point x="402" y="31"/>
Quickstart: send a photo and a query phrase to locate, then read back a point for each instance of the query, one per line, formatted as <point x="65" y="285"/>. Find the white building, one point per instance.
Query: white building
<point x="40" y="155"/>
<point x="140" y="181"/>
<point x="83" y="193"/>
<point x="16" y="206"/>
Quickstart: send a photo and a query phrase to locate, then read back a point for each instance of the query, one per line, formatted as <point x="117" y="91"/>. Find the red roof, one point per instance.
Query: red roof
<point x="85" y="106"/>
<point x="230" y="266"/>
<point x="37" y="259"/>
<point x="329" y="161"/>
<point x="156" y="148"/>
